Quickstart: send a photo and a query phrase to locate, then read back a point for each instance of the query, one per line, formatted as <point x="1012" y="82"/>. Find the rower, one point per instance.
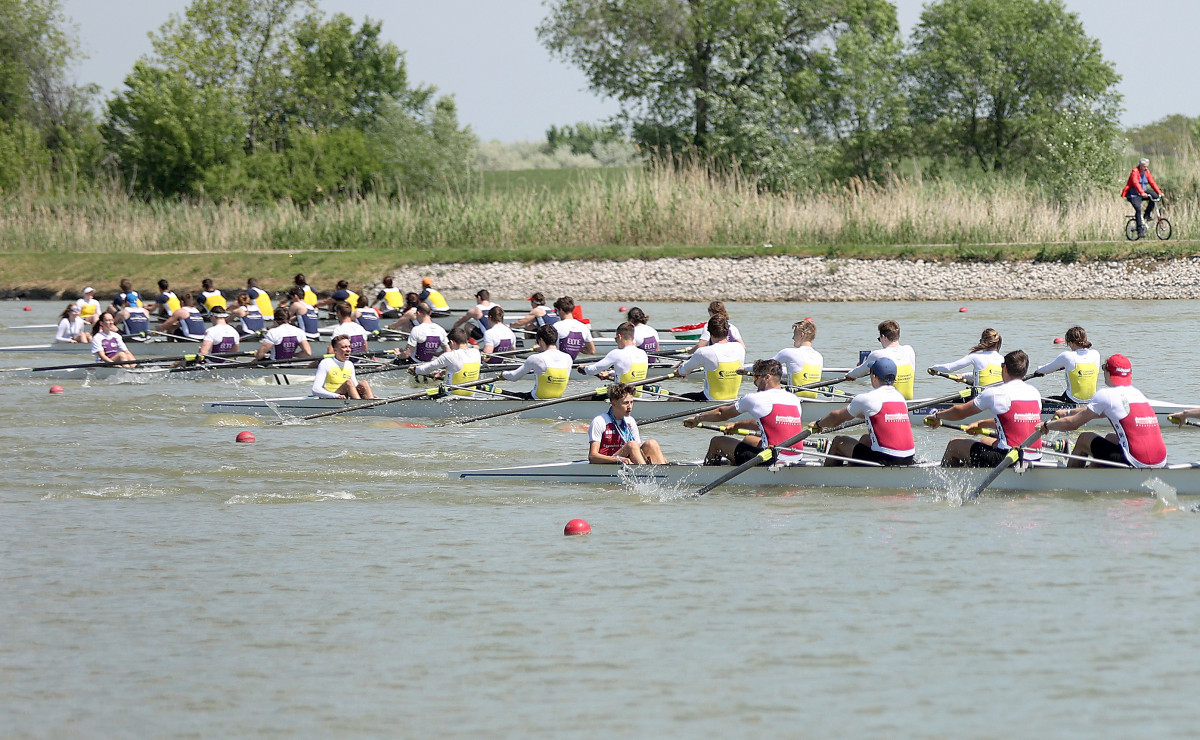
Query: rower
<point x="341" y="293"/>
<point x="802" y="363"/>
<point x="1016" y="408"/>
<point x="498" y="337"/>
<point x="185" y="321"/>
<point x="436" y="300"/>
<point x="306" y="291"/>
<point x="644" y="336"/>
<point x="251" y="320"/>
<point x="304" y="314"/>
<point x="625" y="364"/>
<point x="538" y="314"/>
<point x="284" y="340"/>
<point x="461" y="363"/>
<point x="89" y="307"/>
<point x="984" y="359"/>
<point x="367" y="316"/>
<point x="107" y="345"/>
<point x="574" y="336"/>
<point x="889" y="440"/>
<point x="389" y="300"/>
<point x="221" y="338"/>
<point x="717" y="308"/>
<point x="477" y="315"/>
<point x="426" y="340"/>
<point x="260" y="297"/>
<point x="166" y="303"/>
<point x="349" y="328"/>
<point x="613" y="437"/>
<point x="72" y="328"/>
<point x="1137" y="440"/>
<point x="776" y="413"/>
<point x="902" y="355"/>
<point x="1081" y="363"/>
<point x="408" y="313"/>
<point x="210" y="297"/>
<point x="550" y="365"/>
<point x="722" y="362"/>
<point x="127" y="296"/>
<point x="335" y="375"/>
<point x="134" y="320"/>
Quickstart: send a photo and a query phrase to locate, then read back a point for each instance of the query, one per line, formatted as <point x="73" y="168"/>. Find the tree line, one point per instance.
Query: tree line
<point x="260" y="100"/>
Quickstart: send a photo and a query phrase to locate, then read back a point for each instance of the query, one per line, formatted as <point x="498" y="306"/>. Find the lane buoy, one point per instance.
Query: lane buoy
<point x="245" y="436"/>
<point x="56" y="389"/>
<point x="963" y="309"/>
<point x="622" y="309"/>
<point x="1059" y="340"/>
<point x="27" y="308"/>
<point x="577" y="526"/>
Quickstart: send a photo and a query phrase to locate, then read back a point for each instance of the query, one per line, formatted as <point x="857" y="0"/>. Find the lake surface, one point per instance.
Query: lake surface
<point x="330" y="580"/>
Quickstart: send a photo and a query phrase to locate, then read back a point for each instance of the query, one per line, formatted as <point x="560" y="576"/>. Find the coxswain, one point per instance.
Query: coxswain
<point x="349" y="328"/>
<point x="902" y="355"/>
<point x="613" y="436"/>
<point x="335" y="375"/>
<point x="260" y="297"/>
<point x="645" y="337"/>
<point x="304" y="314"/>
<point x="435" y="299"/>
<point x="984" y="359"/>
<point x="721" y="361"/>
<point x="550" y="366"/>
<point x="285" y="340"/>
<point x="341" y="293"/>
<point x="389" y="300"/>
<point x="306" y="291"/>
<point x="477" y="315"/>
<point x="426" y="340"/>
<point x="538" y="314"/>
<point x="166" y="303"/>
<point x="777" y="418"/>
<point x="185" y="321"/>
<point x="107" y="345"/>
<point x="72" y="328"/>
<point x="889" y="440"/>
<point x="717" y="308"/>
<point x="210" y="297"/>
<point x="221" y="338"/>
<point x="498" y="337"/>
<point x="802" y="365"/>
<point x="1082" y="366"/>
<point x="625" y="364"/>
<point x="1137" y="440"/>
<point x="574" y="336"/>
<point x="1016" y="408"/>
<point x="89" y="307"/>
<point x="460" y="363"/>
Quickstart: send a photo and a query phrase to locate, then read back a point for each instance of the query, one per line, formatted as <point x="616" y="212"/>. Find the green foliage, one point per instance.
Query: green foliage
<point x="582" y="138"/>
<point x="1173" y="135"/>
<point x="427" y="153"/>
<point x="991" y="77"/>
<point x="1075" y="153"/>
<point x="22" y="154"/>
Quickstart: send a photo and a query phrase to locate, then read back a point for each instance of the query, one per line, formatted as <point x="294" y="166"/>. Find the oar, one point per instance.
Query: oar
<point x="950" y="376"/>
<point x="1009" y="460"/>
<point x="748" y="432"/>
<point x="175" y="337"/>
<point x="150" y="361"/>
<point x="1055" y="445"/>
<point x="766" y="454"/>
<point x="597" y="393"/>
<point x="432" y="392"/>
<point x="1174" y="419"/>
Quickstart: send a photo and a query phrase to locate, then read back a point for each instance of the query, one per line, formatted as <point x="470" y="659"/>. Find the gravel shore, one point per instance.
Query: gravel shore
<point x="781" y="278"/>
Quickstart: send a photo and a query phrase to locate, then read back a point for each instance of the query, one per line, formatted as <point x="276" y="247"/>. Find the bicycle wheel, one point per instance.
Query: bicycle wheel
<point x="1163" y="229"/>
<point x="1131" y="229"/>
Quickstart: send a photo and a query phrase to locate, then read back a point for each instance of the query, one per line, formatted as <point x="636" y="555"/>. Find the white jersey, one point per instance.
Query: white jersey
<point x="222" y="331"/>
<point x="985" y="366"/>
<point x="110" y="342"/>
<point x="552" y="369"/>
<point x="801" y="366"/>
<point x="887" y="419"/>
<point x="452" y="361"/>
<point x="67" y="329"/>
<point x="426" y="335"/>
<point x="1017" y="408"/>
<point x="333" y="373"/>
<point x="275" y="336"/>
<point x="1083" y="370"/>
<point x="734" y="334"/>
<point x="906" y="362"/>
<point x="1134" y="421"/>
<point x="721" y="363"/>
<point x="88" y="307"/>
<point x="572" y="335"/>
<point x="628" y="364"/>
<point x="778" y="415"/>
<point x="350" y="329"/>
<point x="642" y="332"/>
<point x="612" y="436"/>
<point x="496" y="335"/>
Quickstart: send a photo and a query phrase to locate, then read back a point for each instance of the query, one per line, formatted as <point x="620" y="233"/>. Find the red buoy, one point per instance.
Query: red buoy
<point x="27" y="308"/>
<point x="963" y="309"/>
<point x="1059" y="340"/>
<point x="56" y="389"/>
<point x="622" y="309"/>
<point x="245" y="436"/>
<point x="577" y="526"/>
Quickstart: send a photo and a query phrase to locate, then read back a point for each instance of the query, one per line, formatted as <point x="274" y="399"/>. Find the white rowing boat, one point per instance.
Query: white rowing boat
<point x="267" y="375"/>
<point x="1183" y="479"/>
<point x="162" y="347"/>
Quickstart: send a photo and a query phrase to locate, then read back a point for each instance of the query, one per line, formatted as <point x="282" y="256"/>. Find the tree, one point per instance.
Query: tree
<point x="994" y="78"/>
<point x="1175" y="135"/>
<point x="425" y="153"/>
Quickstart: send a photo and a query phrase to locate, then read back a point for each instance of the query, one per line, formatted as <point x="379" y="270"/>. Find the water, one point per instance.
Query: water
<point x="329" y="580"/>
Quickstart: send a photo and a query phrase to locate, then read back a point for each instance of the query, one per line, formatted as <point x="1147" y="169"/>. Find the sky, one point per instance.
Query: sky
<point x="508" y="87"/>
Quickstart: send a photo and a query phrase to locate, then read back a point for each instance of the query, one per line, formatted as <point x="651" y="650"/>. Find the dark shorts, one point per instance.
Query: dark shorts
<point x="744" y="451"/>
<point x="1103" y="449"/>
<point x="864" y="452"/>
<point x="985" y="456"/>
<point x="694" y="396"/>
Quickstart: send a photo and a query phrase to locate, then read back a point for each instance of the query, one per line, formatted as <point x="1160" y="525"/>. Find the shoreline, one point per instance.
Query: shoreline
<point x="766" y="278"/>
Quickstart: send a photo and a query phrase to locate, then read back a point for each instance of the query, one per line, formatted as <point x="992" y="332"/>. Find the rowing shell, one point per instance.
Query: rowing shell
<point x="268" y="375"/>
<point x="928" y="477"/>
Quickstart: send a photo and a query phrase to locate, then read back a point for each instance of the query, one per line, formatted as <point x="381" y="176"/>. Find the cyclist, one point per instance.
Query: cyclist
<point x="1140" y="180"/>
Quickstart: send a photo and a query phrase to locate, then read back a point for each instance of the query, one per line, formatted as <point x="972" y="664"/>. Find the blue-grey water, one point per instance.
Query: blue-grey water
<point x="159" y="580"/>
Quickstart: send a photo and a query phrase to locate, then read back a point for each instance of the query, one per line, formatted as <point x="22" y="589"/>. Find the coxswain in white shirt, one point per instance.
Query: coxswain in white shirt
<point x="335" y="375"/>
<point x="625" y="364"/>
<point x="550" y="366"/>
<point x="221" y="338"/>
<point x="107" y="345"/>
<point x="614" y="438"/>
<point x="901" y="354"/>
<point x="459" y="365"/>
<point x="984" y="361"/>
<point x="802" y="365"/>
<point x="349" y="328"/>
<point x="1016" y="408"/>
<point x="498" y="338"/>
<point x="1081" y="364"/>
<point x="284" y="341"/>
<point x="89" y="307"/>
<point x="717" y="308"/>
<point x="776" y="419"/>
<point x="72" y="328"/>
<point x="574" y="336"/>
<point x="722" y="364"/>
<point x="889" y="440"/>
<point x="1136" y="440"/>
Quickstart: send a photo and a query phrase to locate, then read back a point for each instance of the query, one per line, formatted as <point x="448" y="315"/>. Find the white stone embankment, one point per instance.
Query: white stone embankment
<point x="783" y="278"/>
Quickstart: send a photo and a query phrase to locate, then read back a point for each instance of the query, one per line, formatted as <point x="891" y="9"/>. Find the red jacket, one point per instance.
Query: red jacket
<point x="1135" y="183"/>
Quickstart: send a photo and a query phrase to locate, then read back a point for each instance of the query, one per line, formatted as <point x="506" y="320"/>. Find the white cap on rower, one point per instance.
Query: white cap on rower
<point x="89" y="289"/>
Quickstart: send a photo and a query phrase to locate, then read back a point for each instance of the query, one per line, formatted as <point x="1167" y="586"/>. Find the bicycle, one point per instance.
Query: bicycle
<point x="1162" y="225"/>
